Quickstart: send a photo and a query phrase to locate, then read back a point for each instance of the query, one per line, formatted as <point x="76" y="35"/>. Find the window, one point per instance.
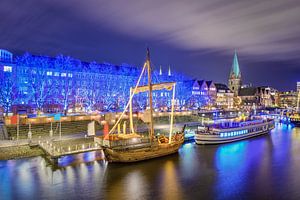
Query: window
<point x="7" y="69"/>
<point x="70" y="75"/>
<point x="49" y="73"/>
<point x="63" y="74"/>
<point x="56" y="73"/>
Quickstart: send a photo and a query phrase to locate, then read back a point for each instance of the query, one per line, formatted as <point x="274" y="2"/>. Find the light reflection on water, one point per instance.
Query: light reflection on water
<point x="265" y="167"/>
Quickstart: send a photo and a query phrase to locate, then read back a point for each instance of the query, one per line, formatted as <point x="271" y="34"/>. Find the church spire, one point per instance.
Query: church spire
<point x="160" y="71"/>
<point x="169" y="71"/>
<point x="235" y="69"/>
<point x="235" y="77"/>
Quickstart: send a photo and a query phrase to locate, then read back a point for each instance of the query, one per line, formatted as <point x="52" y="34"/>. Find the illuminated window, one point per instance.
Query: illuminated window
<point x="7" y="69"/>
<point x="70" y="75"/>
<point x="221" y="134"/>
<point x="56" y="73"/>
<point x="49" y="73"/>
<point x="63" y="74"/>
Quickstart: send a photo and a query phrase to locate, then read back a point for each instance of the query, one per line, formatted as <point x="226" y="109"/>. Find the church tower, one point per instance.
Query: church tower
<point x="235" y="77"/>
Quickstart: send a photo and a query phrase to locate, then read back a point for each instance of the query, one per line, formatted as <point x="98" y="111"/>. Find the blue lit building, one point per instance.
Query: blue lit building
<point x="30" y="83"/>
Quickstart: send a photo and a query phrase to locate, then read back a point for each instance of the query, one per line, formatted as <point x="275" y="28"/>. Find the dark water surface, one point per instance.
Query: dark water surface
<point x="266" y="167"/>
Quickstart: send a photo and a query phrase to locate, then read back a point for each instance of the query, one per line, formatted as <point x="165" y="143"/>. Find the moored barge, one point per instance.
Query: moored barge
<point x="231" y="131"/>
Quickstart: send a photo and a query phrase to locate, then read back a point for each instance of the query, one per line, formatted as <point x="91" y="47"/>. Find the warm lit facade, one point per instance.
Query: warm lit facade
<point x="224" y="97"/>
<point x="258" y="97"/>
<point x="288" y="99"/>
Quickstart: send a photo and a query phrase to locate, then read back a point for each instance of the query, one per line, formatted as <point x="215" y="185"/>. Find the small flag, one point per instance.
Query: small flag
<point x="57" y="117"/>
<point x="106" y="131"/>
<point x="14" y="119"/>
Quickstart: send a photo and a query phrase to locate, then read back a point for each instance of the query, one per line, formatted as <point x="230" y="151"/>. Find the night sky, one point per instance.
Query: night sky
<point x="196" y="37"/>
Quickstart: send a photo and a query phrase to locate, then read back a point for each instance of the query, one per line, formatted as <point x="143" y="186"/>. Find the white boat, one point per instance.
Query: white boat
<point x="231" y="131"/>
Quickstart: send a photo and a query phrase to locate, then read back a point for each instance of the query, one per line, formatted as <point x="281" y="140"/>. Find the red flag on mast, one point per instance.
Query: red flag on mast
<point x="106" y="131"/>
<point x="14" y="119"/>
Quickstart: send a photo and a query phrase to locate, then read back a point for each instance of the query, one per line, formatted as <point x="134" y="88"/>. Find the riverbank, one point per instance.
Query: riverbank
<point x="17" y="152"/>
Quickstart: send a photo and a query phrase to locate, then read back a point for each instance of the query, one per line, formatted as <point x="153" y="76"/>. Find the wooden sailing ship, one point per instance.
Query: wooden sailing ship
<point x="134" y="146"/>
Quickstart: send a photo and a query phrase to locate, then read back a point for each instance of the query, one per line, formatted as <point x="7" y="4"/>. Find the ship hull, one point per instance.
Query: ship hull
<point x="226" y="135"/>
<point x="216" y="140"/>
<point x="295" y="122"/>
<point x="135" y="155"/>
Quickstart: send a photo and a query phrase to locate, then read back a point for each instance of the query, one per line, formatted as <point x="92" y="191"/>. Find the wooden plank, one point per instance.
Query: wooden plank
<point x="159" y="86"/>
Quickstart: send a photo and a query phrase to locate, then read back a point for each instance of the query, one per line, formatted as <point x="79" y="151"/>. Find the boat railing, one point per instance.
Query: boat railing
<point x="240" y="124"/>
<point x="217" y="128"/>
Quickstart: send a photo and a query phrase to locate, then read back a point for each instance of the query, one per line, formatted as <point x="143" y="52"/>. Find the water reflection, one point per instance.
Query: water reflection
<point x="80" y="158"/>
<point x="264" y="167"/>
<point x="171" y="188"/>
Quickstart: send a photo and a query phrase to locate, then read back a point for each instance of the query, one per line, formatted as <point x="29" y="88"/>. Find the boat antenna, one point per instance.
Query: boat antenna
<point x="151" y="132"/>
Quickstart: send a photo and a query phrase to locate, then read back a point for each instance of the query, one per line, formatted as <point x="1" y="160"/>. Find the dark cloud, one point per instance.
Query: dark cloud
<point x="197" y="37"/>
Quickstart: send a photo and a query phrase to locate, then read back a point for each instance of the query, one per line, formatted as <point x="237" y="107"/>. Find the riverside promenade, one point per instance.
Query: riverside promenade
<point x="56" y="146"/>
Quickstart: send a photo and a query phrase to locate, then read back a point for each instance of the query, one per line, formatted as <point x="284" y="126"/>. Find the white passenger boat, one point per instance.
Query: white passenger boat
<point x="231" y="131"/>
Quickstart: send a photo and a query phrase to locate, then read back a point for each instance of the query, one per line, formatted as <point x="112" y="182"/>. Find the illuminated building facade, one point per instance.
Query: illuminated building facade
<point x="30" y="83"/>
<point x="258" y="97"/>
<point x="211" y="95"/>
<point x="298" y="86"/>
<point x="288" y="99"/>
<point x="224" y="98"/>
<point x="203" y="94"/>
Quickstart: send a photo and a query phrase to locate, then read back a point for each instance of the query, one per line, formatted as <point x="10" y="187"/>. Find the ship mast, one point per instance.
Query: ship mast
<point x="151" y="132"/>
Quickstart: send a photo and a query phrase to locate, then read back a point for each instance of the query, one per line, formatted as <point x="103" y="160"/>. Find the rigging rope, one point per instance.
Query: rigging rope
<point x="130" y="99"/>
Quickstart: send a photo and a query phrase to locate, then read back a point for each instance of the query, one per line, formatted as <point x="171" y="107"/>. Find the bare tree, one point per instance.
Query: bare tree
<point x="8" y="92"/>
<point x="40" y="84"/>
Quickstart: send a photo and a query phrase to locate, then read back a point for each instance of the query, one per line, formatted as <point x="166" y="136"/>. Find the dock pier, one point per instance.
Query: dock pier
<point x="56" y="149"/>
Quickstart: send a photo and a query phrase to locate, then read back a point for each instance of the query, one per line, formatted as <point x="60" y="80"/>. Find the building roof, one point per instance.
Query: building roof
<point x="249" y="91"/>
<point x="208" y="83"/>
<point x="235" y="68"/>
<point x="200" y="82"/>
<point x="221" y="86"/>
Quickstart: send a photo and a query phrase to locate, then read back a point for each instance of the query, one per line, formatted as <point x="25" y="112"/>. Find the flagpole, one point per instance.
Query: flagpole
<point x="18" y="128"/>
<point x="60" y="128"/>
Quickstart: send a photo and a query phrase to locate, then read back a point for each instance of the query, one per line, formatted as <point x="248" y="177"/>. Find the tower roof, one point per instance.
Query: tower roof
<point x="235" y="69"/>
<point x="169" y="71"/>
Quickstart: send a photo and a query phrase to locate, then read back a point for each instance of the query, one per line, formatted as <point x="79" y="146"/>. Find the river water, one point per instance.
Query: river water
<point x="265" y="167"/>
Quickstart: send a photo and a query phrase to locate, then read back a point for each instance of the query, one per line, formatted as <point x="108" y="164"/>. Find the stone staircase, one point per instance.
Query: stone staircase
<point x="37" y="130"/>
